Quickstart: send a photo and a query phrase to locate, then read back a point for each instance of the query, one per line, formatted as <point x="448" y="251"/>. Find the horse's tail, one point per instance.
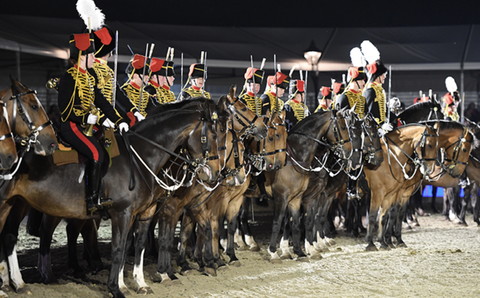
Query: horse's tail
<point x="34" y="221"/>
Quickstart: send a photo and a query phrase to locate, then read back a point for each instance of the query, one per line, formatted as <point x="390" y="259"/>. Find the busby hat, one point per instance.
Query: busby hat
<point x="280" y="79"/>
<point x="356" y="72"/>
<point x="338" y="88"/>
<point x="161" y="67"/>
<point x="136" y="65"/>
<point x="80" y="44"/>
<point x="252" y="74"/>
<point x="196" y="70"/>
<point x="104" y="40"/>
<point x="296" y="86"/>
<point x="325" y="93"/>
<point x="375" y="66"/>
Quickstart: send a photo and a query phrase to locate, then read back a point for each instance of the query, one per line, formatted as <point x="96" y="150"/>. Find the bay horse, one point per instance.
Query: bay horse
<point x="8" y="150"/>
<point x="170" y="129"/>
<point x="328" y="130"/>
<point x="244" y="121"/>
<point x="31" y="129"/>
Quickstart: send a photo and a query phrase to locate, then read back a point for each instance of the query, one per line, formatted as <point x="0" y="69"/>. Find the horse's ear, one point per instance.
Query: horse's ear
<point x="436" y="126"/>
<point x="268" y="113"/>
<point x="233" y="90"/>
<point x="282" y="115"/>
<point x="14" y="83"/>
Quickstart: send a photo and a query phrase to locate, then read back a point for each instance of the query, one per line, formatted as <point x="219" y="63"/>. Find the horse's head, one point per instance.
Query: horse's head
<point x="202" y="145"/>
<point x="8" y="150"/>
<point x="281" y="135"/>
<point x="355" y="131"/>
<point x="28" y="119"/>
<point x="245" y="120"/>
<point x="458" y="142"/>
<point x="234" y="170"/>
<point x="338" y="135"/>
<point x="423" y="111"/>
<point x="426" y="146"/>
<point x="372" y="146"/>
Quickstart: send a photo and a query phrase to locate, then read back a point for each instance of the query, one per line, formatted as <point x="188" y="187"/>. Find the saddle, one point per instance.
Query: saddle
<point x="65" y="154"/>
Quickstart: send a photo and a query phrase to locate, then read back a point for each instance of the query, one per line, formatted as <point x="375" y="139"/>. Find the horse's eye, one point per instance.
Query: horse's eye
<point x="214" y="137"/>
<point x="277" y="136"/>
<point x="429" y="146"/>
<point x="34" y="107"/>
<point x="244" y="109"/>
<point x="464" y="150"/>
<point x="270" y="139"/>
<point x="222" y="130"/>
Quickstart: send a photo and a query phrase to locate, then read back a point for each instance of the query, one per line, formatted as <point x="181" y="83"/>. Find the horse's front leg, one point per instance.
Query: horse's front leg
<point x="296" y="229"/>
<point x="397" y="231"/>
<point x="372" y="224"/>
<point x="121" y="224"/>
<point x="44" y="266"/>
<point x="278" y="215"/>
<point x="166" y="230"/>
<point x="144" y="221"/>
<point x="73" y="230"/>
<point x="91" y="251"/>
<point x="186" y="231"/>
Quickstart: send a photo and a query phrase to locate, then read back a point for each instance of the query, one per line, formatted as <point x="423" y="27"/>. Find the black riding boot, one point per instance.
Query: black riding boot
<point x="264" y="196"/>
<point x="94" y="177"/>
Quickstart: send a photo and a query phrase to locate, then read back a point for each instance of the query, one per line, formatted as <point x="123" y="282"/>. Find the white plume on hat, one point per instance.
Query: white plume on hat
<point x="88" y="10"/>
<point x="451" y="85"/>
<point x="370" y="52"/>
<point x="357" y="57"/>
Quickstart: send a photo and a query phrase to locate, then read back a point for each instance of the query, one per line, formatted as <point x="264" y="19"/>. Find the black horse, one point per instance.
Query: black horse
<point x="41" y="179"/>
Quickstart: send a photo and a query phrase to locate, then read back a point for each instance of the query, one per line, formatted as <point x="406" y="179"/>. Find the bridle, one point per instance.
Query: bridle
<point x="456" y="151"/>
<point x="249" y="126"/>
<point x="9" y="134"/>
<point x="235" y="152"/>
<point x="22" y="111"/>
<point x="367" y="129"/>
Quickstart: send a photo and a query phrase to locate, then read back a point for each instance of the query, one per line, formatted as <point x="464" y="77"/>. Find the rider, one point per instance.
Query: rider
<point x="295" y="108"/>
<point x="196" y="77"/>
<point x="78" y="100"/>
<point x="253" y="81"/>
<point x="324" y="99"/>
<point x="104" y="45"/>
<point x="375" y="100"/>
<point x="276" y="87"/>
<point x="162" y="76"/>
<point x="135" y="85"/>
<point x="353" y="97"/>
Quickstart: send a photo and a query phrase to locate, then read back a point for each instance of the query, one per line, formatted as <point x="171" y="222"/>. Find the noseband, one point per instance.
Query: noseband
<point x="7" y="135"/>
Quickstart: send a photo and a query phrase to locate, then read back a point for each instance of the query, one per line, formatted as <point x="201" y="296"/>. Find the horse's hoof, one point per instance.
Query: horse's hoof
<point x="254" y="248"/>
<point x="371" y="248"/>
<point x="125" y="292"/>
<point x="316" y="257"/>
<point x="24" y="291"/>
<point x="50" y="280"/>
<point x="242" y="247"/>
<point x="210" y="271"/>
<point x="6" y="288"/>
<point x="331" y="242"/>
<point x="276" y="261"/>
<point x="303" y="259"/>
<point x="401" y="245"/>
<point x="188" y="272"/>
<point x="286" y="256"/>
<point x="235" y="263"/>
<point x="391" y="246"/>
<point x="145" y="291"/>
<point x="384" y="248"/>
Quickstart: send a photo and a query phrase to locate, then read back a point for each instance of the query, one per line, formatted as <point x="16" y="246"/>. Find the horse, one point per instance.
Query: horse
<point x="31" y="129"/>
<point x="8" y="150"/>
<point x="398" y="147"/>
<point x="328" y="130"/>
<point x="169" y="129"/>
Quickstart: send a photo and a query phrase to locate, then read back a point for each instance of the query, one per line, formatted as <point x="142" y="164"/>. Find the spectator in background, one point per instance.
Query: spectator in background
<point x="472" y="113"/>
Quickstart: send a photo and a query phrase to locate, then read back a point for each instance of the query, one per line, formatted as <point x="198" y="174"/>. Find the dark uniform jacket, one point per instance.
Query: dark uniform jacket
<point x="376" y="104"/>
<point x="193" y="92"/>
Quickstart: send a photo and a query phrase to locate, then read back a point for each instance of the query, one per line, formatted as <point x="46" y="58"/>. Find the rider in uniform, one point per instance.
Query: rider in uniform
<point x="276" y="87"/>
<point x="196" y="77"/>
<point x="162" y="76"/>
<point x="134" y="87"/>
<point x="104" y="45"/>
<point x="324" y="99"/>
<point x="253" y="80"/>
<point x="295" y="108"/>
<point x="78" y="100"/>
<point x="353" y="97"/>
<point x="375" y="99"/>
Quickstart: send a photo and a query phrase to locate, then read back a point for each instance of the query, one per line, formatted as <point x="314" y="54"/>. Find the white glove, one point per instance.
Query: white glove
<point x="381" y="132"/>
<point x="123" y="127"/>
<point x="387" y="127"/>
<point x="108" y="124"/>
<point x="139" y="116"/>
<point x="92" y="119"/>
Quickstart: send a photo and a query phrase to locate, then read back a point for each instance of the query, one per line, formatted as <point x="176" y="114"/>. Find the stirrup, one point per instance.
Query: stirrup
<point x="353" y="195"/>
<point x="464" y="182"/>
<point x="91" y="207"/>
<point x="106" y="202"/>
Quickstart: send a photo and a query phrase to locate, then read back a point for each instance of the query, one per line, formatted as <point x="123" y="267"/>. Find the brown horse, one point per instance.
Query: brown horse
<point x="170" y="129"/>
<point x="8" y="150"/>
<point x="328" y="130"/>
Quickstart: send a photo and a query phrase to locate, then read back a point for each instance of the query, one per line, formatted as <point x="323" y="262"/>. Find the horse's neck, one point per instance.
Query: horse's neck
<point x="446" y="137"/>
<point x="404" y="139"/>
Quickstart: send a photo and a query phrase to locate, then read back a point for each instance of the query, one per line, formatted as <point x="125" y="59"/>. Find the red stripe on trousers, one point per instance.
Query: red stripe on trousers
<point x="85" y="140"/>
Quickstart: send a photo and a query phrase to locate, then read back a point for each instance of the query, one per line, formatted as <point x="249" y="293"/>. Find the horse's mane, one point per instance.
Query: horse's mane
<point x="415" y="108"/>
<point x="158" y="118"/>
<point x="307" y="122"/>
<point x="161" y="108"/>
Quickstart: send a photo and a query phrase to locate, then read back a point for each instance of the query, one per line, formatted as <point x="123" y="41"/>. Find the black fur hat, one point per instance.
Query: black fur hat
<point x="80" y="42"/>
